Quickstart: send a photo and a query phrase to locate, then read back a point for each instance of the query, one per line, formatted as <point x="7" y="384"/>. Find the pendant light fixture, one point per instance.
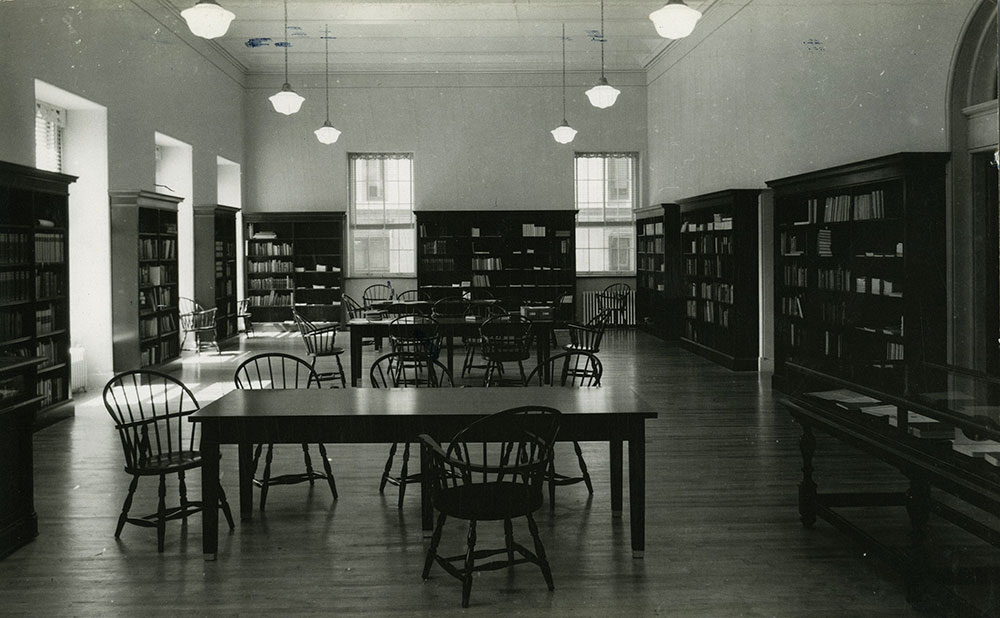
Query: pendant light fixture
<point x="602" y="95"/>
<point x="326" y="134"/>
<point x="207" y="19"/>
<point x="287" y="101"/>
<point x="675" y="20"/>
<point x="564" y="133"/>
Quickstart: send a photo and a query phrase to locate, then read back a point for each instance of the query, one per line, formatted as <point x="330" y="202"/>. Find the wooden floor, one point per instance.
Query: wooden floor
<point x="723" y="537"/>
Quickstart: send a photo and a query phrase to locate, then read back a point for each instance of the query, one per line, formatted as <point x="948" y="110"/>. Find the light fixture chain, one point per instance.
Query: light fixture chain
<point x="603" y="38"/>
<point x="286" y="41"/>
<point x="564" y="70"/>
<point x="326" y="44"/>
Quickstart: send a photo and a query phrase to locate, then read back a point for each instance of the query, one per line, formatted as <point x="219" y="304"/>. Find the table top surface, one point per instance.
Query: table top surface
<point x="371" y="402"/>
<point x="442" y="321"/>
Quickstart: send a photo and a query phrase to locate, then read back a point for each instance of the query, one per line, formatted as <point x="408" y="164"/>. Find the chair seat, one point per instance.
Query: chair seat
<point x="335" y="351"/>
<point x="168" y="463"/>
<point x="488" y="501"/>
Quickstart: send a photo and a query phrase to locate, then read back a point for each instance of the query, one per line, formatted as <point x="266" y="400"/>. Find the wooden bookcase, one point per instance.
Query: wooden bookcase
<point x="225" y="272"/>
<point x="860" y="269"/>
<point x="19" y="398"/>
<point x="295" y="259"/>
<point x="144" y="276"/>
<point x="719" y="244"/>
<point x="658" y="303"/>
<point x="522" y="257"/>
<point x="34" y="280"/>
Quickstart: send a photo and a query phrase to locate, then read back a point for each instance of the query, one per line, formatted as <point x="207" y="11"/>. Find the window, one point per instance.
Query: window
<point x="49" y="125"/>
<point x="382" y="226"/>
<point x="605" y="203"/>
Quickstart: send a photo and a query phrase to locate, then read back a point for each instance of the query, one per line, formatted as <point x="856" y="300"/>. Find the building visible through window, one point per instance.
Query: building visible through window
<point x="382" y="226"/>
<point x="50" y="122"/>
<point x="605" y="202"/>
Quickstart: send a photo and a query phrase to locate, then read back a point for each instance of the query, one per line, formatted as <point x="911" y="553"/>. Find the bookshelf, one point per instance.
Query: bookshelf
<point x="19" y="398"/>
<point x="860" y="269"/>
<point x="522" y="257"/>
<point x="34" y="280"/>
<point x="719" y="243"/>
<point x="144" y="275"/>
<point x="658" y="303"/>
<point x="295" y="259"/>
<point x="225" y="272"/>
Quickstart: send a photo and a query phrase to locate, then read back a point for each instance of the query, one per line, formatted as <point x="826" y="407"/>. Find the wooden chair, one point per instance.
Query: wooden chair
<point x="450" y="307"/>
<point x="321" y="343"/>
<point x="405" y="370"/>
<point x="415" y="334"/>
<point x="613" y="302"/>
<point x="587" y="337"/>
<point x="198" y="321"/>
<point x="579" y="369"/>
<point x="505" y="339"/>
<point x="243" y="313"/>
<point x="493" y="470"/>
<point x="482" y="311"/>
<point x="376" y="294"/>
<point x="275" y="370"/>
<point x="150" y="411"/>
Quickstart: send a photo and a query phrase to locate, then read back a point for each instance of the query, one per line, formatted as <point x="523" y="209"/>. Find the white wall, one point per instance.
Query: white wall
<point x="479" y="140"/>
<point x="753" y="102"/>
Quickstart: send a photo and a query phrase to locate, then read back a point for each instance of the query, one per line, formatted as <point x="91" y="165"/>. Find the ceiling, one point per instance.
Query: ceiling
<point x="457" y="35"/>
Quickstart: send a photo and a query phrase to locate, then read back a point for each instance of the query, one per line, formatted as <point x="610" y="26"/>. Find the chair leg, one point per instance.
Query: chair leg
<point x="520" y="367"/>
<point x="540" y="552"/>
<point x="402" y="475"/>
<point x="309" y="464"/>
<point x="329" y="472"/>
<point x="552" y="482"/>
<point x="470" y="357"/>
<point x="224" y="504"/>
<point x="508" y="537"/>
<point x="470" y="562"/>
<point x="388" y="468"/>
<point x="183" y="339"/>
<point x="256" y="458"/>
<point x="432" y="550"/>
<point x="583" y="467"/>
<point x="340" y="370"/>
<point x="267" y="476"/>
<point x="161" y="514"/>
<point x="182" y="490"/>
<point x="126" y="506"/>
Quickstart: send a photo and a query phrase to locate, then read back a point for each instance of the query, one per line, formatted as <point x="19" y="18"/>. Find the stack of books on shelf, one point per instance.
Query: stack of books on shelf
<point x="824" y="243"/>
<point x="264" y="235"/>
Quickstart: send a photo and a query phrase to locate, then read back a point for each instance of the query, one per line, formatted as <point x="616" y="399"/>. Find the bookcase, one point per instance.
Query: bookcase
<point x="225" y="272"/>
<point x="18" y="400"/>
<point x="658" y="303"/>
<point x="522" y="257"/>
<point x="295" y="259"/>
<point x="144" y="278"/>
<point x="860" y="269"/>
<point x="34" y="280"/>
<point x="719" y="244"/>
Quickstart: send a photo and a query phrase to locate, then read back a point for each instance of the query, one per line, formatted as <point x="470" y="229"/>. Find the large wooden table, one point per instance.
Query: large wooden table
<point x="449" y="329"/>
<point x="368" y="415"/>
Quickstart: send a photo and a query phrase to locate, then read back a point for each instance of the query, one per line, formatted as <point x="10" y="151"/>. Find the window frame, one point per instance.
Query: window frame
<point x="608" y="226"/>
<point x="385" y="226"/>
<point x="55" y="125"/>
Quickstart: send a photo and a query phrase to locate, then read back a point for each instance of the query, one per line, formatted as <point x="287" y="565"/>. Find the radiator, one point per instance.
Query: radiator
<point x="590" y="308"/>
<point x="78" y="369"/>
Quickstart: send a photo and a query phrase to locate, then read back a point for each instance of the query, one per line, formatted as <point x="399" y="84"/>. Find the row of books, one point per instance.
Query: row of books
<point x="274" y="299"/>
<point x="269" y="249"/>
<point x="435" y="247"/>
<point x="838" y="279"/>
<point x="155" y="275"/>
<point x="14" y="248"/>
<point x="438" y="264"/>
<point x="791" y="306"/>
<point x="878" y="286"/>
<point x="718" y="223"/>
<point x="794" y="275"/>
<point x="711" y="244"/>
<point x="159" y="352"/>
<point x="722" y="292"/>
<point x="45" y="320"/>
<point x="49" y="284"/>
<point x="50" y="248"/>
<point x="51" y="389"/>
<point x="649" y="229"/>
<point x="153" y="249"/>
<point x="11" y="325"/>
<point x="225" y="249"/>
<point x="269" y="283"/>
<point x="651" y="245"/>
<point x="487" y="263"/>
<point x="529" y="230"/>
<point x="51" y="351"/>
<point x="481" y="281"/>
<point x="15" y="286"/>
<point x="148" y="328"/>
<point x="649" y="262"/>
<point x="269" y="266"/>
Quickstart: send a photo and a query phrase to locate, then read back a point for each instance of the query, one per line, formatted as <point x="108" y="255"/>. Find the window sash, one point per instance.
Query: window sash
<point x="382" y="223"/>
<point x="49" y="125"/>
<point x="605" y="196"/>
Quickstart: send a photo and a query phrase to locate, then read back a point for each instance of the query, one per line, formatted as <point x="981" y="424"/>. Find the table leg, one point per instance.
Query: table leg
<point x="246" y="481"/>
<point x="615" y="448"/>
<point x="210" y="490"/>
<point x="426" y="509"/>
<point x="355" y="357"/>
<point x="449" y="342"/>
<point x="637" y="488"/>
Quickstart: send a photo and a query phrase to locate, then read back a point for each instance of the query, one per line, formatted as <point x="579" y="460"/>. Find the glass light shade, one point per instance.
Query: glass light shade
<point x="676" y="20"/>
<point x="564" y="133"/>
<point x="603" y="94"/>
<point x="326" y="134"/>
<point x="207" y="19"/>
<point x="286" y="102"/>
